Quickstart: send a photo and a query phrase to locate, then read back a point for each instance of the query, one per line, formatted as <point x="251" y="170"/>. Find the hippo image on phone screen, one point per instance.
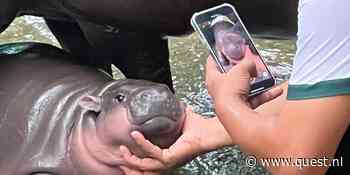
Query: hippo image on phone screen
<point x="58" y="117"/>
<point x="232" y="44"/>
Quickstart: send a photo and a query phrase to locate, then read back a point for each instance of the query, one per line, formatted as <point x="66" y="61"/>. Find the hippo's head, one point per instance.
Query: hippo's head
<point x="229" y="43"/>
<point x="129" y="105"/>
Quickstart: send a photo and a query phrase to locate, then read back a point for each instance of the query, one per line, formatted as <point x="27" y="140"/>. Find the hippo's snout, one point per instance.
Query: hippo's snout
<point x="228" y="40"/>
<point x="232" y="45"/>
<point x="155" y="110"/>
<point x="137" y="105"/>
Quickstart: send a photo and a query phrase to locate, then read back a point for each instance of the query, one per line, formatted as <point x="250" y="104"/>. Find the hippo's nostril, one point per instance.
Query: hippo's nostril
<point x="146" y="96"/>
<point x="153" y="95"/>
<point x="150" y="102"/>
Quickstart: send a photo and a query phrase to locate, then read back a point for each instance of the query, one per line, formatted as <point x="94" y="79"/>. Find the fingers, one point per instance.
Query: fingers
<point x="130" y="171"/>
<point x="265" y="97"/>
<point x="153" y="150"/>
<point x="191" y="117"/>
<point x="189" y="111"/>
<point x="143" y="164"/>
<point x="211" y="67"/>
<point x="211" y="73"/>
<point x="247" y="65"/>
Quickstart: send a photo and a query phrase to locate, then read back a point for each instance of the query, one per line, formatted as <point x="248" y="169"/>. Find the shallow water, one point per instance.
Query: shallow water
<point x="188" y="57"/>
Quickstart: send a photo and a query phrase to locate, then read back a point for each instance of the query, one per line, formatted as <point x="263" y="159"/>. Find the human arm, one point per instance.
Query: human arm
<point x="279" y="134"/>
<point x="314" y="118"/>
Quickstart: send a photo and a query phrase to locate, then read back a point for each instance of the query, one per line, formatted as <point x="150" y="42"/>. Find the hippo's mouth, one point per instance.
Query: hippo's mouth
<point x="161" y="124"/>
<point x="158" y="123"/>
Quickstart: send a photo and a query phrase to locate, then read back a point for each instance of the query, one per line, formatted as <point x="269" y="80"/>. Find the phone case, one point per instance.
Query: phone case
<point x="196" y="27"/>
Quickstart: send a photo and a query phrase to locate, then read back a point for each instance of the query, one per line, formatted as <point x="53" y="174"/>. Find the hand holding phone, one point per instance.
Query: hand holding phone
<point x="229" y="42"/>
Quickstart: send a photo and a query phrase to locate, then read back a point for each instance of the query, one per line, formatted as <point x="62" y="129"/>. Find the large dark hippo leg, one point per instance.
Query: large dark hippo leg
<point x="138" y="55"/>
<point x="73" y="40"/>
<point x="146" y="56"/>
<point x="8" y="11"/>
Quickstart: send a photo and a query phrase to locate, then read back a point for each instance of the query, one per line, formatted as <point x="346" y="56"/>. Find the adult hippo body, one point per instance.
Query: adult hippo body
<point x="60" y="118"/>
<point x="130" y="33"/>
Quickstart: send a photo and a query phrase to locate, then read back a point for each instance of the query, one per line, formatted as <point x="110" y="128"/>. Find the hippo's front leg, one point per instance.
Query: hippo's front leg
<point x="146" y="57"/>
<point x="8" y="12"/>
<point x="75" y="42"/>
<point x="139" y="54"/>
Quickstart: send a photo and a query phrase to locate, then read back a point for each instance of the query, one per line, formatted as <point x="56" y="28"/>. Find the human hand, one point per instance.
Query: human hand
<point x="199" y="135"/>
<point x="233" y="87"/>
<point x="130" y="171"/>
<point x="260" y="67"/>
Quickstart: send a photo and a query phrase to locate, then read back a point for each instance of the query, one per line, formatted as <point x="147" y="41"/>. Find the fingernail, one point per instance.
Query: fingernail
<point x="189" y="108"/>
<point x="134" y="134"/>
<point x="123" y="168"/>
<point x="122" y="148"/>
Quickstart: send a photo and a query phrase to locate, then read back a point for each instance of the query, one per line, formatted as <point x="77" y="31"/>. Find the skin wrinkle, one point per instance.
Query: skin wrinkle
<point x="99" y="137"/>
<point x="111" y="160"/>
<point x="70" y="111"/>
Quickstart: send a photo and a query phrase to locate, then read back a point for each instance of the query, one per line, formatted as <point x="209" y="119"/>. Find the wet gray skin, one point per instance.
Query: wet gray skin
<point x="58" y="117"/>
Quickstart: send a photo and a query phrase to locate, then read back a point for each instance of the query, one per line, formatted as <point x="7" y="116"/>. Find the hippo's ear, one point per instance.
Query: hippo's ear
<point x="91" y="103"/>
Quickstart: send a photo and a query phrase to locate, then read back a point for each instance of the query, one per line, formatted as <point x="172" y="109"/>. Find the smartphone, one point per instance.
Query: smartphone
<point x="222" y="30"/>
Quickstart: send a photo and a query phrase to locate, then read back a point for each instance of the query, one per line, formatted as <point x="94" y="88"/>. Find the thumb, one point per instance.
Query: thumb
<point x="212" y="68"/>
<point x="129" y="171"/>
<point x="265" y="97"/>
<point x="246" y="66"/>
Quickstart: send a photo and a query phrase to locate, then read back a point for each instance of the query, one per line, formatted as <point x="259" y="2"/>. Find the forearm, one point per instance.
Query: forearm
<point x="247" y="128"/>
<point x="302" y="129"/>
<point x="220" y="136"/>
<point x="245" y="125"/>
<point x="214" y="135"/>
<point x="256" y="135"/>
<point x="256" y="132"/>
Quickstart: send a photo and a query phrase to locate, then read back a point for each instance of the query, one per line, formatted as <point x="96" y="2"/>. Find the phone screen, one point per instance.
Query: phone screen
<point x="229" y="41"/>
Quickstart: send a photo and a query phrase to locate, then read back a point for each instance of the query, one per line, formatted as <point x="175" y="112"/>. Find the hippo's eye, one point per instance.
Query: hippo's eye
<point x="119" y="98"/>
